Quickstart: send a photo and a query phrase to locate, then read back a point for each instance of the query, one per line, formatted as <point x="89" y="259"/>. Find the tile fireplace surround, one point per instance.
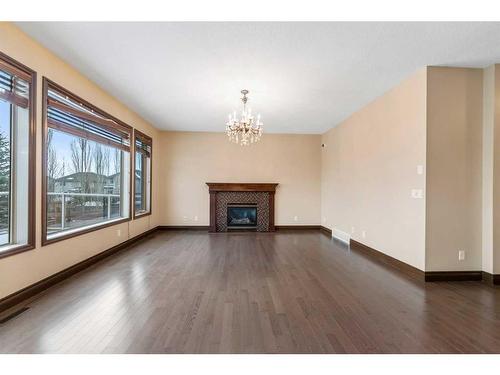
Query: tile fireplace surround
<point x="223" y="194"/>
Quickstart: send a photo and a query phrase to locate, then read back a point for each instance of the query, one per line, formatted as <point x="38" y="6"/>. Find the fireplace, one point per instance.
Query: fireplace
<point x="241" y="206"/>
<point x="241" y="216"/>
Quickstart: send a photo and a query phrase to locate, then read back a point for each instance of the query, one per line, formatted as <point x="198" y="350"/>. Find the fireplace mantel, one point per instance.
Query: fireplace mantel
<point x="215" y="188"/>
<point x="225" y="186"/>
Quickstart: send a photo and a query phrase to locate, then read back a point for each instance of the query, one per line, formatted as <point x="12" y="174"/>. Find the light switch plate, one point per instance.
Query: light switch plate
<point x="420" y="169"/>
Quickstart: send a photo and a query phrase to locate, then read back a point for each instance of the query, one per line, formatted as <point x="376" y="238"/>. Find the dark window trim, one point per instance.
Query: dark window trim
<point x="46" y="241"/>
<point x="119" y="125"/>
<point x="108" y="125"/>
<point x="15" y="67"/>
<point x="146" y="139"/>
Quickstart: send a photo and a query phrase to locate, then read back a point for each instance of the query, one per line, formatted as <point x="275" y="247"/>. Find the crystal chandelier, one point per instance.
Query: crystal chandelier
<point x="247" y="129"/>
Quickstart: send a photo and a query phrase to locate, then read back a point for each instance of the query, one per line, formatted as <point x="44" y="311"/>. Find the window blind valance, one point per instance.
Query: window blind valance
<point x="13" y="88"/>
<point x="71" y="115"/>
<point x="143" y="143"/>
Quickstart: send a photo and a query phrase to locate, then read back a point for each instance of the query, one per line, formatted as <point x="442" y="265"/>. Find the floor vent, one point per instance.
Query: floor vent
<point x="13" y="315"/>
<point x="341" y="236"/>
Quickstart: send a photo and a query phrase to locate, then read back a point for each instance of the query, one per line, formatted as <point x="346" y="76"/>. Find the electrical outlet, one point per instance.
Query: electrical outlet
<point x="417" y="193"/>
<point x="119" y="232"/>
<point x="420" y="169"/>
<point x="196" y="218"/>
<point x="185" y="218"/>
<point x="461" y="255"/>
<point x="363" y="234"/>
<point x="324" y="220"/>
<point x="295" y="218"/>
<point x="353" y="229"/>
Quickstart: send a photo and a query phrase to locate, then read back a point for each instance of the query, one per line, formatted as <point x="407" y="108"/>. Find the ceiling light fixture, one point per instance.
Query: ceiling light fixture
<point x="247" y="129"/>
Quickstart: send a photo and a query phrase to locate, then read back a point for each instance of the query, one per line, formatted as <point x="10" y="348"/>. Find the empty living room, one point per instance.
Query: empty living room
<point x="268" y="184"/>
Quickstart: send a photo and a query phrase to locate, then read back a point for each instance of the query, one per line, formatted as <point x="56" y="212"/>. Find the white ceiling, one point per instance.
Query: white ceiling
<point x="302" y="77"/>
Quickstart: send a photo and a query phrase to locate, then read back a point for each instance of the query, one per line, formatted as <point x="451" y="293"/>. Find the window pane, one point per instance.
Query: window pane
<point x="14" y="160"/>
<point x="5" y="168"/>
<point x="85" y="182"/>
<point x="142" y="174"/>
<point x="140" y="199"/>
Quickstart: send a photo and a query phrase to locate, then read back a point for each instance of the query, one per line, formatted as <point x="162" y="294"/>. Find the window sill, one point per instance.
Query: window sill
<point x="138" y="215"/>
<point x="8" y="250"/>
<point x="82" y="230"/>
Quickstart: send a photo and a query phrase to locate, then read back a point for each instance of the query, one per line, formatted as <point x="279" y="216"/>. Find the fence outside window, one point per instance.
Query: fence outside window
<point x="73" y="210"/>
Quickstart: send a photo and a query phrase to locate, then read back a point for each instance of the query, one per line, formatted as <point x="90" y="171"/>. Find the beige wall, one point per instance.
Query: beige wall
<point x="454" y="168"/>
<point x="189" y="160"/>
<point x="369" y="167"/>
<point x="487" y="168"/>
<point x="23" y="269"/>
<point x="496" y="172"/>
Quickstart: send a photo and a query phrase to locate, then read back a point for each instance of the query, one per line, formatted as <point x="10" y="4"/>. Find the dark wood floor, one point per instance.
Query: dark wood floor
<point x="288" y="292"/>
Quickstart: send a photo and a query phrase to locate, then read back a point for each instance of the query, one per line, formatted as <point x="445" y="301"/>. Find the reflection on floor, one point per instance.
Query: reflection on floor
<point x="283" y="292"/>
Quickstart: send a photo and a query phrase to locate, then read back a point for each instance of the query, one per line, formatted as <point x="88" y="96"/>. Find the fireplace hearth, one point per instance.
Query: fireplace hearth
<point x="241" y="206"/>
<point x="241" y="216"/>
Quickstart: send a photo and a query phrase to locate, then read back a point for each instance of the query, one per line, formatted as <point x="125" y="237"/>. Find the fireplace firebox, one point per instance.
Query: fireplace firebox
<point x="241" y="216"/>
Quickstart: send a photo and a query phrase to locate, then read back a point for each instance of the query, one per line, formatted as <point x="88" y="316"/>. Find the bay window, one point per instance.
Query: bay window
<point x="142" y="173"/>
<point x="17" y="156"/>
<point x="86" y="166"/>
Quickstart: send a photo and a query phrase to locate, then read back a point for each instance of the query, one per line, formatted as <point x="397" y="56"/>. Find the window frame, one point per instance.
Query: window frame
<point x="7" y="63"/>
<point x="47" y="84"/>
<point x="146" y="139"/>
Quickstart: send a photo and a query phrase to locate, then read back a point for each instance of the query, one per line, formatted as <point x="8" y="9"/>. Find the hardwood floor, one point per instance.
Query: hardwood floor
<point x="283" y="292"/>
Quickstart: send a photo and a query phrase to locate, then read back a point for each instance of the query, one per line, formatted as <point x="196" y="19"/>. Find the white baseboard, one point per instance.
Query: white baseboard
<point x="341" y="236"/>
